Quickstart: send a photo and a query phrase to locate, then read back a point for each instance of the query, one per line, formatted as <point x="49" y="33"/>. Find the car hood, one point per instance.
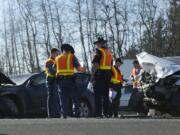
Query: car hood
<point x="159" y="67"/>
<point x="4" y="80"/>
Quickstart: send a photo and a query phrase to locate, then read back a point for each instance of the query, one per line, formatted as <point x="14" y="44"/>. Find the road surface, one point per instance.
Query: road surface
<point x="89" y="126"/>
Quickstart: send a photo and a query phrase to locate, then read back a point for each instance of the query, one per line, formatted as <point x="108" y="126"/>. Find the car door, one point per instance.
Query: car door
<point x="36" y="89"/>
<point x="82" y="80"/>
<point x="126" y="93"/>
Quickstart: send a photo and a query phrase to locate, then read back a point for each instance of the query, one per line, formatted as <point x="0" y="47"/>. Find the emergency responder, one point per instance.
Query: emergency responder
<point x="136" y="71"/>
<point x="52" y="109"/>
<point x="116" y="85"/>
<point x="136" y="76"/>
<point x="65" y="64"/>
<point x="102" y="61"/>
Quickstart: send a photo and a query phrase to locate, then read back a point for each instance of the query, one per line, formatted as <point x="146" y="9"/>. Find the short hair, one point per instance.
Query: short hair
<point x="54" y="50"/>
<point x="135" y="62"/>
<point x="67" y="47"/>
<point x="119" y="60"/>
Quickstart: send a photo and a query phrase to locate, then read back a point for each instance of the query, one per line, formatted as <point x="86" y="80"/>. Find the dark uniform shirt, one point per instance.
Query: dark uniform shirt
<point x="76" y="62"/>
<point x="50" y="67"/>
<point x="97" y="57"/>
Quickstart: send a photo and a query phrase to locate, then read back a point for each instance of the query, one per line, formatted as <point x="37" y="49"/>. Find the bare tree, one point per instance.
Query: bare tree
<point x="30" y="22"/>
<point x="94" y="8"/>
<point x="7" y="53"/>
<point x="15" y="55"/>
<point x="81" y="33"/>
<point x="32" y="27"/>
<point x="59" y="33"/>
<point x="147" y="15"/>
<point x="106" y="10"/>
<point x="46" y="27"/>
<point x="89" y="30"/>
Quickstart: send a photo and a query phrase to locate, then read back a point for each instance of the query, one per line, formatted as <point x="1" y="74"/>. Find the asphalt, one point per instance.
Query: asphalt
<point x="90" y="126"/>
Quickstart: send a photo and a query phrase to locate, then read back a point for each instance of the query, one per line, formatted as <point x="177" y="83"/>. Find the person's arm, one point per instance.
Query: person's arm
<point x="78" y="66"/>
<point x="50" y="68"/>
<point x="97" y="58"/>
<point x="132" y="75"/>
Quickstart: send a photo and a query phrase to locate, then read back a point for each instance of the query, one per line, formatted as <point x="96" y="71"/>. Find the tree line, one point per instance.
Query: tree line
<point x="30" y="28"/>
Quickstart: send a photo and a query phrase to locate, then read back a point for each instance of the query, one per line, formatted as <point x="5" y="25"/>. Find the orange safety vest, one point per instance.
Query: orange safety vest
<point x="134" y="73"/>
<point x="50" y="60"/>
<point x="106" y="60"/>
<point x="116" y="76"/>
<point x="64" y="64"/>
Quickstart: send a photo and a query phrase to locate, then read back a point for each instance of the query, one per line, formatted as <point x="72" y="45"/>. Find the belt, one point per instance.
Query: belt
<point x="62" y="77"/>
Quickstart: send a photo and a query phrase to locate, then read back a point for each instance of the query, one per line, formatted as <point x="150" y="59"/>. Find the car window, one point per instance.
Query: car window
<point x="39" y="79"/>
<point x="127" y="89"/>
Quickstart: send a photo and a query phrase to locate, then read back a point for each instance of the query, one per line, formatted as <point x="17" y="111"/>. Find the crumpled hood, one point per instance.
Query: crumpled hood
<point x="5" y="80"/>
<point x="159" y="67"/>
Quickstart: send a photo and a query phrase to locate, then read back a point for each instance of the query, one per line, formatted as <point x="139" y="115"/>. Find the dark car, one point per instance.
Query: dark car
<point x="29" y="98"/>
<point x="159" y="85"/>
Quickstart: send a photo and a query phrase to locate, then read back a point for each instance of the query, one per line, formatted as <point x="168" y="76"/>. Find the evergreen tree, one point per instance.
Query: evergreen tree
<point x="174" y="28"/>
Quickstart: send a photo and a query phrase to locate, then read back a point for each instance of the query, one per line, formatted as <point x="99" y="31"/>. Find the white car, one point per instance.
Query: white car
<point x="126" y="93"/>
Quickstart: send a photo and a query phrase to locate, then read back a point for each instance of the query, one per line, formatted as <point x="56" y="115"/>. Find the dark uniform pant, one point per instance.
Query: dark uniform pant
<point x="101" y="92"/>
<point x="68" y="89"/>
<point x="114" y="106"/>
<point x="53" y="98"/>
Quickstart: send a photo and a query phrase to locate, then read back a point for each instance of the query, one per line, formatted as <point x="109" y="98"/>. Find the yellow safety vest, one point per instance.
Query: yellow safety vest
<point x="116" y="76"/>
<point x="64" y="63"/>
<point x="106" y="60"/>
<point x="46" y="69"/>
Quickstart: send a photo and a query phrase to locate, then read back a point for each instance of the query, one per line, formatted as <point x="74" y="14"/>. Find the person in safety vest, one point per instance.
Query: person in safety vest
<point x="136" y="72"/>
<point x="52" y="109"/>
<point x="66" y="63"/>
<point x="102" y="62"/>
<point x="116" y="85"/>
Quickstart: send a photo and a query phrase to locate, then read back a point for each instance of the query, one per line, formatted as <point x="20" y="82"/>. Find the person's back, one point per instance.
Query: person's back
<point x="116" y="85"/>
<point x="66" y="62"/>
<point x="52" y="111"/>
<point x="103" y="63"/>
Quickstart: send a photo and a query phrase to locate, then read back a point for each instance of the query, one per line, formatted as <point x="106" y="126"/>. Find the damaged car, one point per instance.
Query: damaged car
<point x="29" y="98"/>
<point x="159" y="85"/>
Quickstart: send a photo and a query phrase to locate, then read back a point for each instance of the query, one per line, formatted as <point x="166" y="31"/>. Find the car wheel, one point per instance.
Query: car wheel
<point x="85" y="110"/>
<point x="10" y="109"/>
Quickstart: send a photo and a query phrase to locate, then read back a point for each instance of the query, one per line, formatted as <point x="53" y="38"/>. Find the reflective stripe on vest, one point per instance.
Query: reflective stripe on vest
<point x="46" y="69"/>
<point x="116" y="76"/>
<point x="106" y="59"/>
<point x="64" y="63"/>
<point x="135" y="72"/>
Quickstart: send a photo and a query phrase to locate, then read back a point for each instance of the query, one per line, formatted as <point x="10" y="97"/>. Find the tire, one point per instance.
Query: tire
<point x="85" y="109"/>
<point x="10" y="108"/>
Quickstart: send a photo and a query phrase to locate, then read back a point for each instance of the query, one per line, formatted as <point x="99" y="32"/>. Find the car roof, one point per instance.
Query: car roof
<point x="19" y="79"/>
